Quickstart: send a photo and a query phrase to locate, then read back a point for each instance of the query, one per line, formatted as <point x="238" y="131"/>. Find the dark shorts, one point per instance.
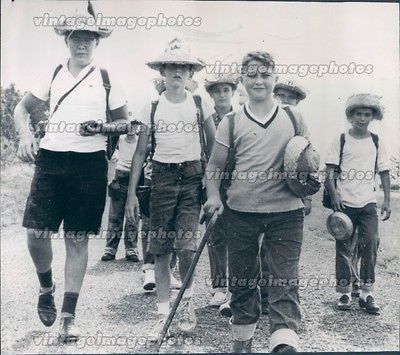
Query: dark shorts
<point x="175" y="207"/>
<point x="67" y="187"/>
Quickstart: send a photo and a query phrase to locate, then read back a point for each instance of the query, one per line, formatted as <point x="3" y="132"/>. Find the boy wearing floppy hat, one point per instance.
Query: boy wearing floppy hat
<point x="362" y="153"/>
<point x="261" y="132"/>
<point x="70" y="180"/>
<point x="221" y="89"/>
<point x="179" y="126"/>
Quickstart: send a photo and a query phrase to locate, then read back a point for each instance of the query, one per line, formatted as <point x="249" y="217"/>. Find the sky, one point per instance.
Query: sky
<point x="294" y="33"/>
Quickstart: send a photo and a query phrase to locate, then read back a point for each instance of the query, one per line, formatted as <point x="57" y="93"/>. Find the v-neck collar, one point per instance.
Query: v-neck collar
<point x="249" y="115"/>
<point x="83" y="71"/>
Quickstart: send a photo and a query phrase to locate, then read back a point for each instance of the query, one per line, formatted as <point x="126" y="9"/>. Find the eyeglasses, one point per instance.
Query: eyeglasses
<point x="86" y="41"/>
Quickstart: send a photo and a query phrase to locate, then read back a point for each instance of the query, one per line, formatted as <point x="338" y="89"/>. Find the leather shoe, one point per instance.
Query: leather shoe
<point x="369" y="304"/>
<point x="46" y="307"/>
<point x="284" y="349"/>
<point x="344" y="303"/>
<point x="68" y="332"/>
<point x="107" y="256"/>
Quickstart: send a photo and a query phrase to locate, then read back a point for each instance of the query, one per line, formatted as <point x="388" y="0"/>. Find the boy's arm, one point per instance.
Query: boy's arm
<point x="385" y="209"/>
<point x="28" y="146"/>
<point x="336" y="201"/>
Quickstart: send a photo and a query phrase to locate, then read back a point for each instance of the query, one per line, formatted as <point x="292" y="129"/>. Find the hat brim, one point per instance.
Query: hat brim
<point x="344" y="222"/>
<point x="102" y="32"/>
<point x="376" y="108"/>
<point x="299" y="91"/>
<point x="156" y="65"/>
<point x="208" y="84"/>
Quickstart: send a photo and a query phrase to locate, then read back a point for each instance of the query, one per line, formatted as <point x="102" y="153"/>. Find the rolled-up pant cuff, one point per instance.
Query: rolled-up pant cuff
<point x="147" y="267"/>
<point x="284" y="336"/>
<point x="368" y="288"/>
<point x="242" y="332"/>
<point x="343" y="289"/>
<point x="218" y="289"/>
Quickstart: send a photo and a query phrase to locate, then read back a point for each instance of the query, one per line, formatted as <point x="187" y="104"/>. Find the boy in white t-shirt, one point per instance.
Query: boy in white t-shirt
<point x="363" y="155"/>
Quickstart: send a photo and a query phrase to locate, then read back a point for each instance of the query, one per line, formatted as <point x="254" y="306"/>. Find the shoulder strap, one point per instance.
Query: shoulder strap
<point x="69" y="91"/>
<point x="293" y="119"/>
<point x="107" y="88"/>
<point x="375" y="139"/>
<point x="55" y="73"/>
<point x="231" y="118"/>
<point x="200" y="122"/>
<point x="154" y="105"/>
<point x="342" y="140"/>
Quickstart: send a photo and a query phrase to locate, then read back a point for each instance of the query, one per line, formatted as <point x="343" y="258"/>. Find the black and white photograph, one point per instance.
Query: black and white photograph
<point x="199" y="177"/>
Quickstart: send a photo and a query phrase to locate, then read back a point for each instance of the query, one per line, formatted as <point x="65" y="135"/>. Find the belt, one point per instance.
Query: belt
<point x="177" y="165"/>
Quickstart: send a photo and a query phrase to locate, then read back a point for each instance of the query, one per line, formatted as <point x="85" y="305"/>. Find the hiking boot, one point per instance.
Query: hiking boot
<point x="175" y="284"/>
<point x="225" y="309"/>
<point x="46" y="307"/>
<point x="240" y="346"/>
<point x="132" y="254"/>
<point x="157" y="328"/>
<point x="264" y="305"/>
<point x="187" y="320"/>
<point x="344" y="303"/>
<point x="108" y="255"/>
<point x="284" y="349"/>
<point x="218" y="299"/>
<point x="149" y="283"/>
<point x="369" y="304"/>
<point x="68" y="332"/>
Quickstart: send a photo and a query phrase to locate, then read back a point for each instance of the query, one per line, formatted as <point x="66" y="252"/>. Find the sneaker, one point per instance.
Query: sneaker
<point x="284" y="349"/>
<point x="218" y="299"/>
<point x="344" y="303"/>
<point x="225" y="309"/>
<point x="369" y="304"/>
<point x="108" y="255"/>
<point x="175" y="284"/>
<point x="240" y="346"/>
<point x="187" y="320"/>
<point x="132" y="254"/>
<point x="157" y="328"/>
<point x="68" y="332"/>
<point x="46" y="307"/>
<point x="149" y="283"/>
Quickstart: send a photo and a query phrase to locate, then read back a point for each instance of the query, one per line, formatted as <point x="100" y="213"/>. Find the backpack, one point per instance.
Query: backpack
<point x="326" y="198"/>
<point x="112" y="141"/>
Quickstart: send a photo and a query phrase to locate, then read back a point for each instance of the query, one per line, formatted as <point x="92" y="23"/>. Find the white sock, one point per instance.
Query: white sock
<point x="188" y="292"/>
<point x="163" y="308"/>
<point x="364" y="294"/>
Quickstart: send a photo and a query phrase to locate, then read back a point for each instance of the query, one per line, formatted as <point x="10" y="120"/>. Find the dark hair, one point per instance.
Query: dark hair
<point x="263" y="57"/>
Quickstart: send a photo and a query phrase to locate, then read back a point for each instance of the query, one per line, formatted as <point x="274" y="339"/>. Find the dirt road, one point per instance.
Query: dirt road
<point x="114" y="315"/>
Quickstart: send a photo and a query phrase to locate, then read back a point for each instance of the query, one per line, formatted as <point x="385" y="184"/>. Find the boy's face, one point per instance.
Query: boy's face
<point x="222" y="94"/>
<point x="286" y="97"/>
<point x="81" y="45"/>
<point x="258" y="80"/>
<point x="176" y="75"/>
<point x="361" y="117"/>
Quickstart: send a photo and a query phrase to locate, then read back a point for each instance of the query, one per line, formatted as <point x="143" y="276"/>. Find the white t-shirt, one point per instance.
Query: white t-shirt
<point x="126" y="150"/>
<point x="357" y="181"/>
<point x="86" y="102"/>
<point x="177" y="133"/>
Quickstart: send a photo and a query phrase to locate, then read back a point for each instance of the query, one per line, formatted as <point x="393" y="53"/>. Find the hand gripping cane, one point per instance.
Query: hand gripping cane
<point x="189" y="274"/>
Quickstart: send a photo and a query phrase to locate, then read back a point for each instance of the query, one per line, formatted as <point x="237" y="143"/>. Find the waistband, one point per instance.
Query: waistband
<point x="70" y="154"/>
<point x="176" y="165"/>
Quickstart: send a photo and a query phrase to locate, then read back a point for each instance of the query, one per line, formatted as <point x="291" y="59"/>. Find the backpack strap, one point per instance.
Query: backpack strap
<point x="293" y="120"/>
<point x="55" y="73"/>
<point x="375" y="139"/>
<point x="342" y="141"/>
<point x="154" y="105"/>
<point x="231" y="119"/>
<point x="200" y="122"/>
<point x="107" y="88"/>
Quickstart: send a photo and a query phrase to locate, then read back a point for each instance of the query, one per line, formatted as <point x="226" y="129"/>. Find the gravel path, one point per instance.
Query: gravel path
<point x="113" y="310"/>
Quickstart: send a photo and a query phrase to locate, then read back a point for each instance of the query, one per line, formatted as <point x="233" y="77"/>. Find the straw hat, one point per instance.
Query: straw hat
<point x="176" y="53"/>
<point x="291" y="86"/>
<point x="339" y="225"/>
<point x="82" y="21"/>
<point x="220" y="79"/>
<point x="365" y="100"/>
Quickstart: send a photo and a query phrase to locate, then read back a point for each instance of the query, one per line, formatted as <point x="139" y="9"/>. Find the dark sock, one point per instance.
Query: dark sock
<point x="45" y="279"/>
<point x="69" y="302"/>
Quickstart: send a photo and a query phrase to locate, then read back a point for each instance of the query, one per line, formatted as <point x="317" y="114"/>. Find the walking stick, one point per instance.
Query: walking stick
<point x="189" y="274"/>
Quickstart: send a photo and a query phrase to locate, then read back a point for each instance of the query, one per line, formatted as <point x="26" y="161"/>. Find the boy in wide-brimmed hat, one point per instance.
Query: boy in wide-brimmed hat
<point x="181" y="127"/>
<point x="363" y="153"/>
<point x="70" y="180"/>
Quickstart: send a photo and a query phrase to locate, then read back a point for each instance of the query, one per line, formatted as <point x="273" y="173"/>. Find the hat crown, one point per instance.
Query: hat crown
<point x="177" y="47"/>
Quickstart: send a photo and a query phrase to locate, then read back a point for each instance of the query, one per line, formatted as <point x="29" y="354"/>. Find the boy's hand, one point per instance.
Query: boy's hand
<point x="337" y="203"/>
<point x="213" y="204"/>
<point x="89" y="128"/>
<point x="385" y="210"/>
<point x="132" y="209"/>
<point x="27" y="147"/>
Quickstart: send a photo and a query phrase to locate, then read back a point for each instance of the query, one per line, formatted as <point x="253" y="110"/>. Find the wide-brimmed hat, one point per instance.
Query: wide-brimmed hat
<point x="82" y="21"/>
<point x="301" y="163"/>
<point x="230" y="79"/>
<point x="339" y="225"/>
<point x="365" y="100"/>
<point x="177" y="53"/>
<point x="291" y="86"/>
<point x="159" y="84"/>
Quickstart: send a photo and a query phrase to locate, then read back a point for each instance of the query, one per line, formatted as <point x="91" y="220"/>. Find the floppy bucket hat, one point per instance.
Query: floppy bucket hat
<point x="220" y="79"/>
<point x="301" y="163"/>
<point x="82" y="21"/>
<point x="291" y="86"/>
<point x="176" y="53"/>
<point x="339" y="225"/>
<point x="365" y="100"/>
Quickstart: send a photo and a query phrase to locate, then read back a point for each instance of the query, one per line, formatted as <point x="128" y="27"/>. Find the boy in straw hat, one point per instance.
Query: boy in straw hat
<point x="70" y="180"/>
<point x="361" y="151"/>
<point x="174" y="122"/>
<point x="261" y="132"/>
<point x="221" y="89"/>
